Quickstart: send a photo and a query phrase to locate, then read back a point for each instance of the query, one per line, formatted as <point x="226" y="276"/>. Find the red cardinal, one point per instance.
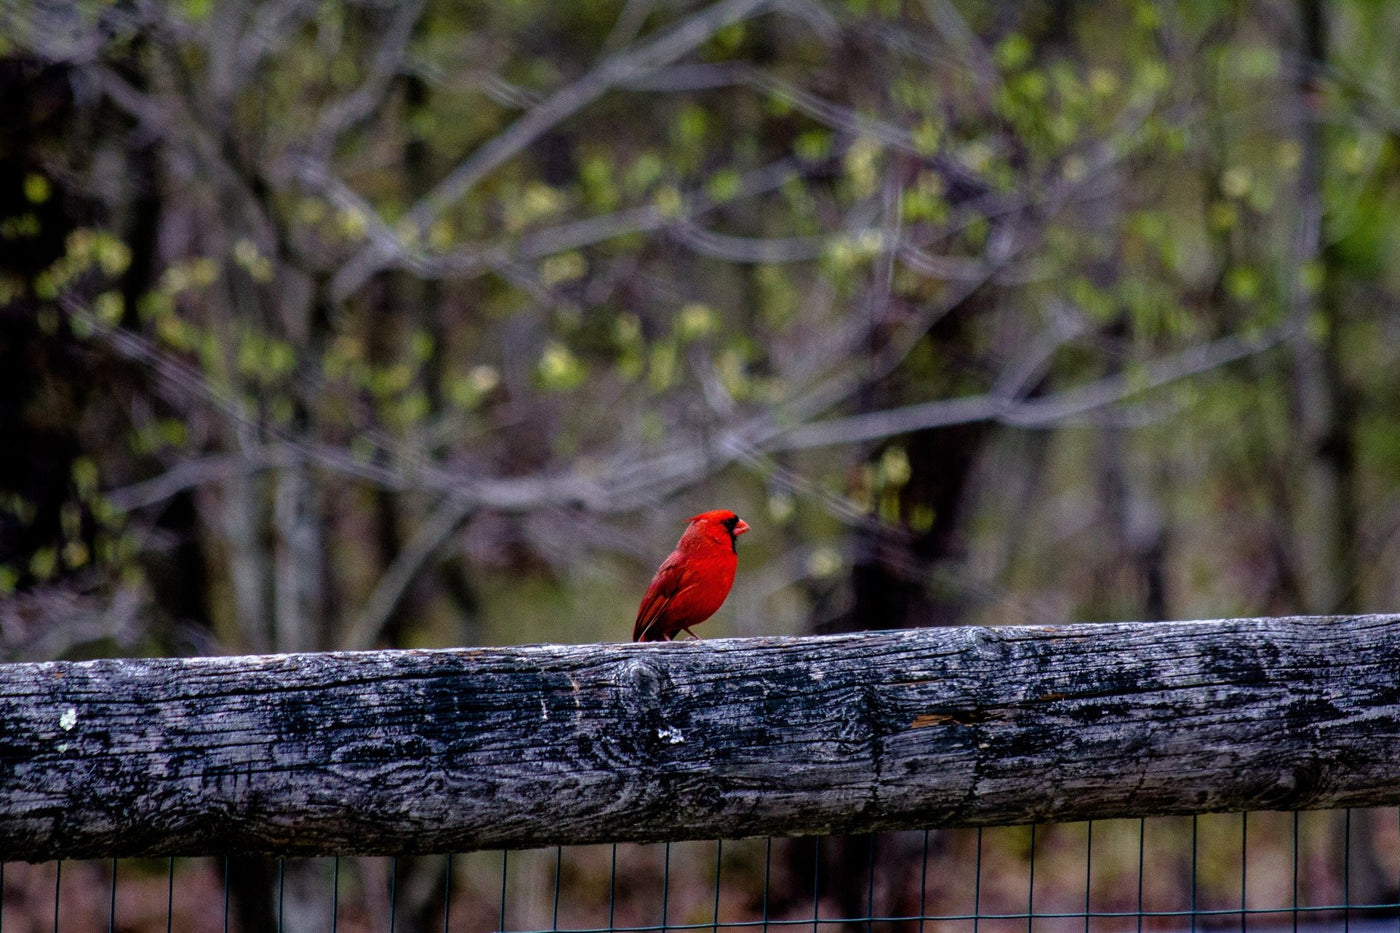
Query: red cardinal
<point x="692" y="583"/>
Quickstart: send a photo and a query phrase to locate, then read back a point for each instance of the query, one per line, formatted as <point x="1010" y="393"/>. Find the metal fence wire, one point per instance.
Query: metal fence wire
<point x="1323" y="870"/>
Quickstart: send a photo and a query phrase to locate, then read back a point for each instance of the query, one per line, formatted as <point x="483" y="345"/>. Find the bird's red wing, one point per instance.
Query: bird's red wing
<point x="668" y="581"/>
<point x="653" y="607"/>
<point x="665" y="609"/>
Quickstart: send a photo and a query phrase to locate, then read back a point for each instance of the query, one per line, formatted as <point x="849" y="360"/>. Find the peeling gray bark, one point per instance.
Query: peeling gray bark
<point x="432" y="751"/>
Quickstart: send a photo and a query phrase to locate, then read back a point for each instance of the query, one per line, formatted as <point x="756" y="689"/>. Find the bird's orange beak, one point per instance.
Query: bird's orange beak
<point x="740" y="528"/>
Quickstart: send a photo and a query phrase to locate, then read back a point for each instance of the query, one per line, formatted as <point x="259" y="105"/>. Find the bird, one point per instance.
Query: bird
<point x="692" y="583"/>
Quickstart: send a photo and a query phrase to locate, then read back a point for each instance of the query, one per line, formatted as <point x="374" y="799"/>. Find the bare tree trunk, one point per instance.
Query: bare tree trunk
<point x="1323" y="420"/>
<point x="1138" y="529"/>
<point x="297" y="561"/>
<point x="251" y="881"/>
<point x="1135" y="520"/>
<point x="241" y="529"/>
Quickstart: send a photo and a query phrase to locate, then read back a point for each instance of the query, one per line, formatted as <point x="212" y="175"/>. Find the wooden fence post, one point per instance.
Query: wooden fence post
<point x="430" y="751"/>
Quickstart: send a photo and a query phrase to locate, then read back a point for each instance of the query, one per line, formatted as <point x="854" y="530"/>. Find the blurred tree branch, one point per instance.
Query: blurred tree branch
<point x="616" y="68"/>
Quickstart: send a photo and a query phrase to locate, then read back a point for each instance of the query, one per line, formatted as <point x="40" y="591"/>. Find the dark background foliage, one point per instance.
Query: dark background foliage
<point x="352" y="324"/>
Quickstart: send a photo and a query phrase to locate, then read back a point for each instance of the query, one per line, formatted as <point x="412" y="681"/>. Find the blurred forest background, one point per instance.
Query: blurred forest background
<point x="351" y="324"/>
<point x="355" y="324"/>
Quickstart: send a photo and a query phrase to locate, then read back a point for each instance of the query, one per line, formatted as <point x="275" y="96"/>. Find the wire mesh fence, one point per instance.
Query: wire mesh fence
<point x="1253" y="872"/>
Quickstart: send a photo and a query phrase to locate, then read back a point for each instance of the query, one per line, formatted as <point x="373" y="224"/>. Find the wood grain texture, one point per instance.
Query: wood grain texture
<point x="431" y="751"/>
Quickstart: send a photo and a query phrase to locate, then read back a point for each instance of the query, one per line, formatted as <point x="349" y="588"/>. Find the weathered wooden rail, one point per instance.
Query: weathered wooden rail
<point x="418" y="751"/>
